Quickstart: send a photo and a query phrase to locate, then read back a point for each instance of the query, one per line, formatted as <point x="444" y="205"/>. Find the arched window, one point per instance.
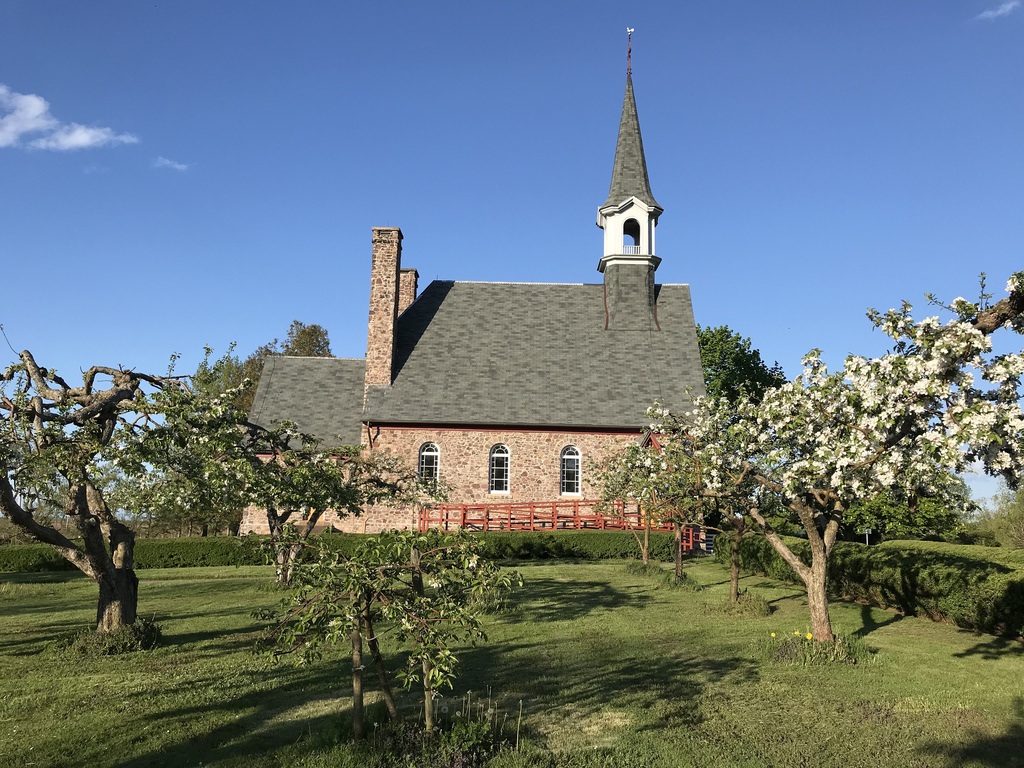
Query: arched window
<point x="570" y="470"/>
<point x="630" y="233"/>
<point x="499" y="469"/>
<point x="429" y="468"/>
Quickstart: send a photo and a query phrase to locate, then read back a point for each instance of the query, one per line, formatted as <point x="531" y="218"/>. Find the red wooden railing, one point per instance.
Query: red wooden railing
<point x="574" y="514"/>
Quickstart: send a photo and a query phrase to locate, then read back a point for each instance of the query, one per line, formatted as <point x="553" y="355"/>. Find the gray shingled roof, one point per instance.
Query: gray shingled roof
<point x="629" y="171"/>
<point x="322" y="395"/>
<point x="535" y="355"/>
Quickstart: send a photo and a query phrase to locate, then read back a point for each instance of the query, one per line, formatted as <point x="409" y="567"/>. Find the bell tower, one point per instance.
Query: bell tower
<point x="628" y="217"/>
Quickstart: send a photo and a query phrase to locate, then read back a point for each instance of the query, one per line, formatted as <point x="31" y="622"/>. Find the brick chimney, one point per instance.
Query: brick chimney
<point x="408" y="280"/>
<point x="384" y="293"/>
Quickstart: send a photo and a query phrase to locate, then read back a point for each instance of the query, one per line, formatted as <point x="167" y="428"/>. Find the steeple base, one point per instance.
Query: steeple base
<point x="630" y="300"/>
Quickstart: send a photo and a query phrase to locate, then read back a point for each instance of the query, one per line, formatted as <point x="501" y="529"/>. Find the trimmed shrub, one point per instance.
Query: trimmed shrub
<point x="1012" y="557"/>
<point x="759" y="556"/>
<point x="31" y="558"/>
<point x="946" y="582"/>
<point x="571" y="545"/>
<point x="247" y="550"/>
<point x="193" y="553"/>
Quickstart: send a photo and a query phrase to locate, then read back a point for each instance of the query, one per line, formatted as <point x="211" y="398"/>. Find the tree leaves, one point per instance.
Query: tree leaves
<point x="732" y="367"/>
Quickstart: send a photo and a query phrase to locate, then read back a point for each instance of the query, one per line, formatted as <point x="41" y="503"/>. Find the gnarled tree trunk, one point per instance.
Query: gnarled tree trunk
<point x="814" y="576"/>
<point x="358" y="727"/>
<point x="286" y="554"/>
<point x="119" y="599"/>
<point x="817" y="600"/>
<point x="738" y="527"/>
<point x="110" y="545"/>
<point x="734" y="567"/>
<point x="679" y="551"/>
<point x="378" y="661"/>
<point x="428" y="685"/>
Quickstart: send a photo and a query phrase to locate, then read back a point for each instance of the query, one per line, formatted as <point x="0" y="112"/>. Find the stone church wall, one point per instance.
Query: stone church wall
<point x="534" y="469"/>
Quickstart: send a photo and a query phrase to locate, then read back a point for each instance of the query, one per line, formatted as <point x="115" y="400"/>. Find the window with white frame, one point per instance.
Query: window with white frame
<point x="570" y="470"/>
<point x="499" y="469"/>
<point x="429" y="469"/>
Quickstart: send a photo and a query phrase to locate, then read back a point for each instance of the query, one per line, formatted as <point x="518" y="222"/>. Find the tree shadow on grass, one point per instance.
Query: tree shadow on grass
<point x="648" y="691"/>
<point x="276" y="708"/>
<point x="548" y="599"/>
<point x="50" y="608"/>
<point x="38" y="640"/>
<point x="43" y="577"/>
<point x="993" y="647"/>
<point x="219" y="640"/>
<point x="868" y="623"/>
<point x="1005" y="750"/>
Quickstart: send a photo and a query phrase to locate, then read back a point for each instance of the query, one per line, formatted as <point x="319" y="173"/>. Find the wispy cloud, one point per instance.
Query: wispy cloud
<point x="1003" y="10"/>
<point x="75" y="136"/>
<point x="25" y="114"/>
<point x="163" y="162"/>
<point x="22" y="113"/>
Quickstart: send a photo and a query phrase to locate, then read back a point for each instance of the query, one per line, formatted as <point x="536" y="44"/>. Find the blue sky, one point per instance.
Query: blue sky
<point x="176" y="174"/>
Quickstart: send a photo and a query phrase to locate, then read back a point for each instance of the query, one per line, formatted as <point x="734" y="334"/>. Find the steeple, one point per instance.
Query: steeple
<point x="628" y="218"/>
<point x="629" y="173"/>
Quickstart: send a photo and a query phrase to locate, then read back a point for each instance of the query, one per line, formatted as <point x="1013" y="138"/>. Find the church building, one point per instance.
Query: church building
<point x="511" y="394"/>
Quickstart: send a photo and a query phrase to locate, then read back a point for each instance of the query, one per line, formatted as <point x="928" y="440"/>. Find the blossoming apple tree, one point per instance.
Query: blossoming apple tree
<point x="207" y="453"/>
<point x="59" y="436"/>
<point x="940" y="400"/>
<point x="171" y="446"/>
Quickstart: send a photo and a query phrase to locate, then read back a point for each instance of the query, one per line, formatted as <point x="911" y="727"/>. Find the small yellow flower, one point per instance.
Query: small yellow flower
<point x="810" y="636"/>
<point x="796" y="632"/>
<point x="773" y="634"/>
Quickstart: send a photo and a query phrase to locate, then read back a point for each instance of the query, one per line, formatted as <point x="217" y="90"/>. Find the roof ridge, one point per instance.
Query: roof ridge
<point x="316" y="357"/>
<point x="513" y="282"/>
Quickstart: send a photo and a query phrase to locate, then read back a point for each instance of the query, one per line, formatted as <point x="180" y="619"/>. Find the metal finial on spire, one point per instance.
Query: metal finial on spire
<point x="629" y="51"/>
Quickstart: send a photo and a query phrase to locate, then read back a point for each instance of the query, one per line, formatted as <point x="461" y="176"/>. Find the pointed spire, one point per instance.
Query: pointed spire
<point x="629" y="172"/>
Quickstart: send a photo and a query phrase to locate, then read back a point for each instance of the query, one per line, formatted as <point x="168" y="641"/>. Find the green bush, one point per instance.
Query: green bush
<point x="683" y="581"/>
<point x="957" y="583"/>
<point x="1011" y="557"/>
<point x="249" y="550"/>
<point x="31" y="558"/>
<point x="192" y="553"/>
<point x="143" y="635"/>
<point x="572" y="545"/>
<point x="640" y="568"/>
<point x="801" y="649"/>
<point x="750" y="604"/>
<point x="757" y="555"/>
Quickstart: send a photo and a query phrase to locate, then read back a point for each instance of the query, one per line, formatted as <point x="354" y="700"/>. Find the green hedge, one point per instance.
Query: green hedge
<point x="31" y="558"/>
<point x="946" y="582"/>
<point x="1011" y="557"/>
<point x="226" y="550"/>
<point x="572" y="545"/>
<point x="149" y="553"/>
<point x="197" y="552"/>
<point x="555" y="545"/>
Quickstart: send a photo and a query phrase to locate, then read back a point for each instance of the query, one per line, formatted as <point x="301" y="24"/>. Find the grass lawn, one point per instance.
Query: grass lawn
<point x="612" y="669"/>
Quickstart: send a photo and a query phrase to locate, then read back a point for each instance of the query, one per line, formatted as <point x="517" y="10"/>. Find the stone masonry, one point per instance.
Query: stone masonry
<point x="534" y="465"/>
<point x="384" y="286"/>
<point x="464" y="463"/>
<point x="408" y="280"/>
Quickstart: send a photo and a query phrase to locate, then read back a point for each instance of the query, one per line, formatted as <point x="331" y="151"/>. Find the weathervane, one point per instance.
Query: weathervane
<point x="629" y="51"/>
